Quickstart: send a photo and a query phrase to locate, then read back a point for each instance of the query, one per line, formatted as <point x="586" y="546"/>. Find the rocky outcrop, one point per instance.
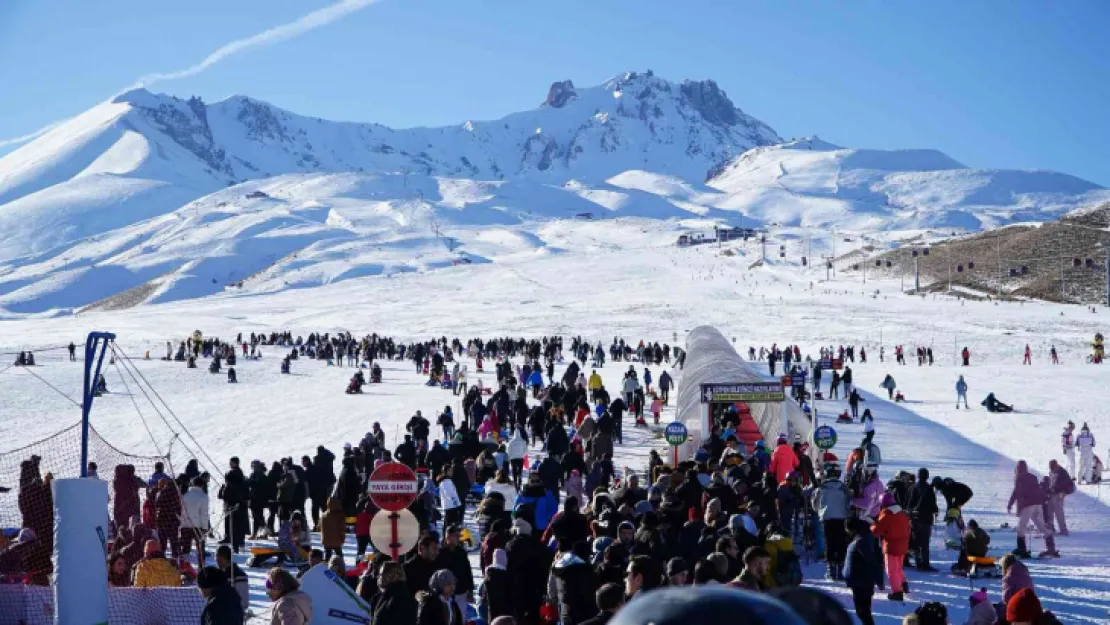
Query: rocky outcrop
<point x="707" y="98"/>
<point x="560" y="93"/>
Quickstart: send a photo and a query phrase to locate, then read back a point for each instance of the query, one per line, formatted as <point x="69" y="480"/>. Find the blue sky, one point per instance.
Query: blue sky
<point x="993" y="84"/>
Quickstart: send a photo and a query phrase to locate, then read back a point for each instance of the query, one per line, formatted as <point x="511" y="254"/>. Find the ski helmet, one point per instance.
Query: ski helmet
<point x="678" y="606"/>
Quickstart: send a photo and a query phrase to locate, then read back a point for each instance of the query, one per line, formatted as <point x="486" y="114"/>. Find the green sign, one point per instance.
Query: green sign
<point x="676" y="433"/>
<point x="824" y="437"/>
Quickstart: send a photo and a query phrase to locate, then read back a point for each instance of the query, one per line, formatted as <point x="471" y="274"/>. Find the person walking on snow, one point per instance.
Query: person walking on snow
<point x="961" y="393"/>
<point x="1067" y="442"/>
<point x="1055" y="357"/>
<point x="889" y="384"/>
<point x="1086" y="443"/>
<point x="1060" y="485"/>
<point x="1028" y="356"/>
<point x="1030" y="499"/>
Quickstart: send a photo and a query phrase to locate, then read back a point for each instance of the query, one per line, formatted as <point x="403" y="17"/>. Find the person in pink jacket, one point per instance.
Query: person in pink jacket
<point x="870" y="499"/>
<point x="783" y="461"/>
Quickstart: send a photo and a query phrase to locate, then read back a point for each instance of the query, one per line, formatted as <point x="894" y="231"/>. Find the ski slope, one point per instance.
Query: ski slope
<point x="623" y="277"/>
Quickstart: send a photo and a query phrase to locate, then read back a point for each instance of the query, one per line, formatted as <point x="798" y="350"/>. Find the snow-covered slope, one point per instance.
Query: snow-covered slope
<point x="814" y="183"/>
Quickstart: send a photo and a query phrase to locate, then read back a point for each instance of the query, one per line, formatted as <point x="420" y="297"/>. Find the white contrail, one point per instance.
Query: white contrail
<point x="31" y="136"/>
<point x="299" y="26"/>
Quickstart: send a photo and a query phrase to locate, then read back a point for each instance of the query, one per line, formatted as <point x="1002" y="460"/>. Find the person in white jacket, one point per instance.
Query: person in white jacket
<point x="450" y="502"/>
<point x="501" y="484"/>
<point x="518" y="448"/>
<point x="1086" y="444"/>
<point x="1067" y="442"/>
<point x="194" y="520"/>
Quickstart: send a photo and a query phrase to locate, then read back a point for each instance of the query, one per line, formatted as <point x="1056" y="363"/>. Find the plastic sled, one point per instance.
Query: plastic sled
<point x="981" y="567"/>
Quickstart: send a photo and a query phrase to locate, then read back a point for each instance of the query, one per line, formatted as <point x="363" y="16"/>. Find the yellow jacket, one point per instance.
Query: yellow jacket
<point x="775" y="544"/>
<point x="156" y="571"/>
<point x="595" y="382"/>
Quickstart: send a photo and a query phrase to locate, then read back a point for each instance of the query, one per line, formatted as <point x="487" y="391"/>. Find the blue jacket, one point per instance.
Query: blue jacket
<point x="535" y="378"/>
<point x="861" y="567"/>
<point x="546" y="507"/>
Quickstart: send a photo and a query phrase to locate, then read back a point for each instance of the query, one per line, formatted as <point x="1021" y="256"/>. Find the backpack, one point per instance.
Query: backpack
<point x="788" y="569"/>
<point x="1069" y="487"/>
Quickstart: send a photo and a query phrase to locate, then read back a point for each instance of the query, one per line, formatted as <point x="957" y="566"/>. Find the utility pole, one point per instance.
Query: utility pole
<point x="916" y="271"/>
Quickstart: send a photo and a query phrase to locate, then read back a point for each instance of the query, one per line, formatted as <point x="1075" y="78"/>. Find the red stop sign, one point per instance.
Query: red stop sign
<point x="393" y="486"/>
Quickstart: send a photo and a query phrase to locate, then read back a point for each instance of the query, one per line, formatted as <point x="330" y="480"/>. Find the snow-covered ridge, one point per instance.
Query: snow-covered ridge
<point x="185" y="199"/>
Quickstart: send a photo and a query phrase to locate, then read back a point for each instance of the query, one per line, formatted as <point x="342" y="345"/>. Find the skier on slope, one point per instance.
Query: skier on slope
<point x="1086" y="443"/>
<point x="1067" y="441"/>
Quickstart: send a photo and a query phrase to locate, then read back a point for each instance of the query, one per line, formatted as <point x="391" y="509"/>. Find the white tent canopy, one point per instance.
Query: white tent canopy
<point x="711" y="359"/>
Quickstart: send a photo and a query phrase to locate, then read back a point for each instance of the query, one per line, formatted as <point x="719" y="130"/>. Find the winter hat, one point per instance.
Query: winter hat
<point x="520" y="526"/>
<point x="932" y="613"/>
<point x="441" y="579"/>
<point x="643" y="507"/>
<point x="978" y="597"/>
<point x="210" y="577"/>
<point x="500" y="559"/>
<point x="1024" y="607"/>
<point x="152" y="547"/>
<point x="886" y="501"/>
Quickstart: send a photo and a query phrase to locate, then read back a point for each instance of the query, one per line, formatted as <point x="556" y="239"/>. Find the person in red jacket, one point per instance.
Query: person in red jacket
<point x="893" y="529"/>
<point x="783" y="461"/>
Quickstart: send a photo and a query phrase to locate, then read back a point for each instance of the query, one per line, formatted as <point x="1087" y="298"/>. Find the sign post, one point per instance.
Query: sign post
<point x="395" y="533"/>
<point x="393" y="488"/>
<point x="676" y="434"/>
<point x="824" y="437"/>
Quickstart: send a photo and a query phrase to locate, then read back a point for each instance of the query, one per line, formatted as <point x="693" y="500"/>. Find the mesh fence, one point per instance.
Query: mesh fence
<point x="141" y="506"/>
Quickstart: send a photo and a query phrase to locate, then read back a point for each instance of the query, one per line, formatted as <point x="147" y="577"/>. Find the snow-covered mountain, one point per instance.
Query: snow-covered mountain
<point x="814" y="183"/>
<point x="142" y="155"/>
<point x="149" y="198"/>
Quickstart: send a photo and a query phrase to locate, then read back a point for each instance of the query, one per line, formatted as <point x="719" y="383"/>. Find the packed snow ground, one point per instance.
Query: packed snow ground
<point x="624" y="278"/>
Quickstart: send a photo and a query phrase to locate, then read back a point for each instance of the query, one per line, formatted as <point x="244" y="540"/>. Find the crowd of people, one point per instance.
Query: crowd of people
<point x="568" y="538"/>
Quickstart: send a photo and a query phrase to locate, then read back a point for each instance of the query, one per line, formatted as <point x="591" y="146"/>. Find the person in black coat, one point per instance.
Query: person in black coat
<point x="691" y="490"/>
<point x="436" y="458"/>
<point x="349" y="488"/>
<point x="221" y="605"/>
<point x="610" y="598"/>
<point x="862" y="570"/>
<point x="234" y="494"/>
<point x="570" y="527"/>
<point x="422" y="565"/>
<point x="497" y="587"/>
<point x="261" y="492"/>
<point x="922" y="509"/>
<point x="528" y="565"/>
<point x="394" y="604"/>
<point x="453" y="557"/>
<point x="575" y="585"/>
<point x="558" y="443"/>
<point x="551" y="474"/>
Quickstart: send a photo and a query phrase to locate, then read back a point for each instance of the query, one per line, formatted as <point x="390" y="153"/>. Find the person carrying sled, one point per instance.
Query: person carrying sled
<point x="1029" y="498"/>
<point x="1086" y="444"/>
<point x="961" y="392"/>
